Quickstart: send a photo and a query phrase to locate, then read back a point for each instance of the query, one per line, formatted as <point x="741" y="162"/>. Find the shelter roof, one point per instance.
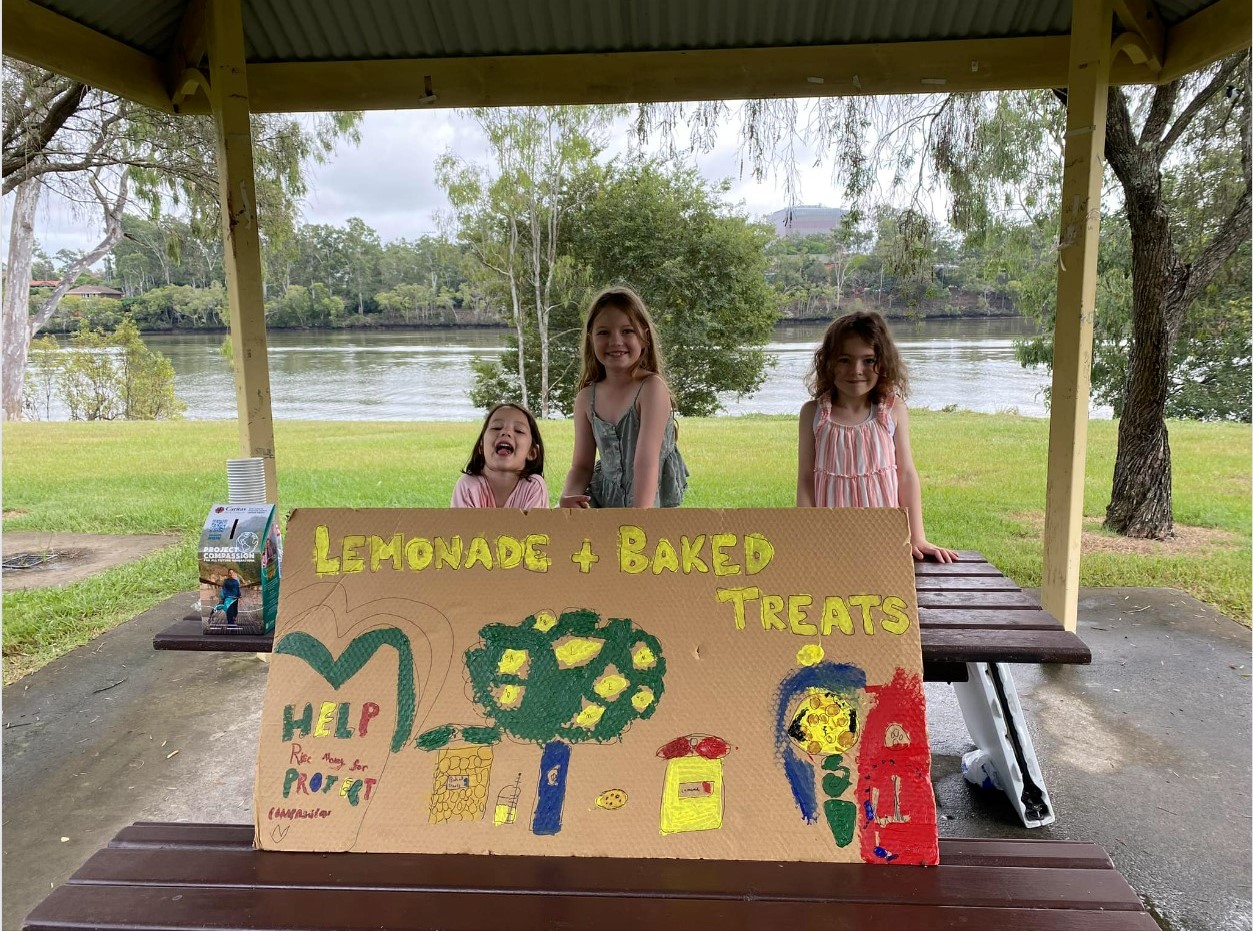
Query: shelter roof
<point x="367" y="54"/>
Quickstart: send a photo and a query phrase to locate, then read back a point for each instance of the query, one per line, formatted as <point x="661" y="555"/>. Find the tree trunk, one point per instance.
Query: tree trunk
<point x="553" y="767"/>
<point x="1140" y="501"/>
<point x="16" y="309"/>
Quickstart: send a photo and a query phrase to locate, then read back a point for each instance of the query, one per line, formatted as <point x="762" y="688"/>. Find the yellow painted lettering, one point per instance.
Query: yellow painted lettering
<point x="722" y="563"/>
<point x="322" y="562"/>
<point x="448" y="552"/>
<point x="535" y="558"/>
<point x="665" y="557"/>
<point x="835" y="614"/>
<point x="771" y="608"/>
<point x="897" y="620"/>
<point x="419" y="553"/>
<point x="479" y="552"/>
<point x="866" y="602"/>
<point x="326" y="714"/>
<point x="508" y="552"/>
<point x="353" y="562"/>
<point x="758" y="551"/>
<point x="631" y="541"/>
<point x="796" y="605"/>
<point x="737" y="597"/>
<point x="381" y="550"/>
<point x="691" y="554"/>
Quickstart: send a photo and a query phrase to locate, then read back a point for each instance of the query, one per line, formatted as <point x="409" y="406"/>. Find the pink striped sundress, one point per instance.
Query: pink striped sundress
<point x="855" y="467"/>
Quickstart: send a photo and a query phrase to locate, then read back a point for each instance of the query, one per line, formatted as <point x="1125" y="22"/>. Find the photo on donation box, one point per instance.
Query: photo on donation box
<point x="685" y="683"/>
<point x="239" y="569"/>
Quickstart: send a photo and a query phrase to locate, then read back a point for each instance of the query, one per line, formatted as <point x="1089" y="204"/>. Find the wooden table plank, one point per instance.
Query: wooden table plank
<point x="133" y="907"/>
<point x="987" y="618"/>
<point x="965" y="583"/>
<point x="959" y="851"/>
<point x="973" y="645"/>
<point x="1004" y="599"/>
<point x="844" y="883"/>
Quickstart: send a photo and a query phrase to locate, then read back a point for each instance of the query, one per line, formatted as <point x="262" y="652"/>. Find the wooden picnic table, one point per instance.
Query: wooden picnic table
<point x="183" y="876"/>
<point x="968" y="611"/>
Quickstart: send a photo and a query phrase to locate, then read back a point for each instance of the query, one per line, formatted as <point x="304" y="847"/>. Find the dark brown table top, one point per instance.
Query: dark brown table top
<point x="968" y="611"/>
<point x="208" y="876"/>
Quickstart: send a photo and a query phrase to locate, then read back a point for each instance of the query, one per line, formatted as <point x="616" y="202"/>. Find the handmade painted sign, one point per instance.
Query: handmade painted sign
<point x="681" y="683"/>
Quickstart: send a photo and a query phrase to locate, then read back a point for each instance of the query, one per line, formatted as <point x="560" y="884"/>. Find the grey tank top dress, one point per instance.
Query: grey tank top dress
<point x="616" y="442"/>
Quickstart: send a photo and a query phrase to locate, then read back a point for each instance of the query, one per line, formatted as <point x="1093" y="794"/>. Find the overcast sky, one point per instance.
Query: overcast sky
<point x="388" y="180"/>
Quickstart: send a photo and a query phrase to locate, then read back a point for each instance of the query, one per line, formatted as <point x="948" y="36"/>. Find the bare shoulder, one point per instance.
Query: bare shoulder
<point x="808" y="409"/>
<point x="654" y="390"/>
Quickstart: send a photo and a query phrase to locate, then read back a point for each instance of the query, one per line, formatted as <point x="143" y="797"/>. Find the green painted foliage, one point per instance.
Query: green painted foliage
<point x="553" y="697"/>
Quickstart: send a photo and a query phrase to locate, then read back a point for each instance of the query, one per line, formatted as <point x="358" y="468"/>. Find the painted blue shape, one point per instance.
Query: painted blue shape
<point x="884" y="855"/>
<point x="800" y="776"/>
<point x="554" y="765"/>
<point x="869" y="811"/>
<point x="835" y="677"/>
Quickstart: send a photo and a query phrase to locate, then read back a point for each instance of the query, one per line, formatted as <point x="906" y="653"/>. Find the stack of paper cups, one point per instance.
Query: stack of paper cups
<point x="245" y="480"/>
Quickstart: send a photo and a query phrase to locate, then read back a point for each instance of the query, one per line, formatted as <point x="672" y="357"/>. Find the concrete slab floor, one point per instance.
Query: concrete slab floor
<point x="1146" y="752"/>
<point x="78" y="555"/>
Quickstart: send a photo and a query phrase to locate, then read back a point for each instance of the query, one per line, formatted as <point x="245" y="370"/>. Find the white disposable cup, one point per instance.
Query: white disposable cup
<point x="245" y="480"/>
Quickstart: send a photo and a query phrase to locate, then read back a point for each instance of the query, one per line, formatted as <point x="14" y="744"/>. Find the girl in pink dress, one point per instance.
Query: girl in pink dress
<point x="506" y="468"/>
<point x="854" y="435"/>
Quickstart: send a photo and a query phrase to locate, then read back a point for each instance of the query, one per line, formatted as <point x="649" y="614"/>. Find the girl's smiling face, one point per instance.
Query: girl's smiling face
<point x="856" y="369"/>
<point x="616" y="340"/>
<point x="507" y="442"/>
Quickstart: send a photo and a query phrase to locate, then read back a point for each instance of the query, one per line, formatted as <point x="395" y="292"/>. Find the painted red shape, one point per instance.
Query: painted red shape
<point x="712" y="748"/>
<point x="913" y="841"/>
<point x="680" y="746"/>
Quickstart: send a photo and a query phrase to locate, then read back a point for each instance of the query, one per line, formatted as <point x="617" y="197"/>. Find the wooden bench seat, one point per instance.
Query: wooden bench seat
<point x="155" y="875"/>
<point x="968" y="611"/>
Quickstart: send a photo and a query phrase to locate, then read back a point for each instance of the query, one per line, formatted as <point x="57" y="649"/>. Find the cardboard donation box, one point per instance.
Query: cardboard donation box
<point x="674" y="683"/>
<point x="239" y="569"/>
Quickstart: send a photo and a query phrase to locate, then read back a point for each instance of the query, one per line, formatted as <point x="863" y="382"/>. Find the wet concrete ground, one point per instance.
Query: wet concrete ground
<point x="75" y="556"/>
<point x="1146" y="752"/>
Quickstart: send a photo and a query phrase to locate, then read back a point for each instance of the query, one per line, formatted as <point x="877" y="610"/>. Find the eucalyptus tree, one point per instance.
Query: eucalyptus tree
<point x="1179" y="154"/>
<point x="511" y="213"/>
<point x="103" y="152"/>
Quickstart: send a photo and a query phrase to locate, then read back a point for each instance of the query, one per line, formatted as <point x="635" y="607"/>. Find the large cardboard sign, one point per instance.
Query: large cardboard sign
<point x="684" y="683"/>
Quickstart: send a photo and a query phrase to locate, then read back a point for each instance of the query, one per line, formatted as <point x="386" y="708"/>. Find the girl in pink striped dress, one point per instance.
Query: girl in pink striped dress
<point x="854" y="435"/>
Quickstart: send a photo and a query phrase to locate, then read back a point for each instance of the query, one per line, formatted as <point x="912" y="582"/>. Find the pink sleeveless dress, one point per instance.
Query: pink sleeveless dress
<point x="855" y="467"/>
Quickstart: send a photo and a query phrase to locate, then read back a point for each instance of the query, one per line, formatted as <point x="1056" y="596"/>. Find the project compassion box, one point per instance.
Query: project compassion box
<point x="239" y="556"/>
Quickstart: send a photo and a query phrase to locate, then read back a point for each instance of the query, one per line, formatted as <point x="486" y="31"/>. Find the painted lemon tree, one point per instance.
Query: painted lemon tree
<point x="558" y="681"/>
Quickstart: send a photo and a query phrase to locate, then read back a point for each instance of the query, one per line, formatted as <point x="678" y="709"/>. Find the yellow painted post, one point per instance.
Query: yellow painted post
<point x="1088" y="88"/>
<point x="241" y="242"/>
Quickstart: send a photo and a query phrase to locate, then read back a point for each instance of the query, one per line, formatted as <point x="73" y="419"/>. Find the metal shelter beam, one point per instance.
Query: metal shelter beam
<point x="241" y="241"/>
<point x="1078" y="239"/>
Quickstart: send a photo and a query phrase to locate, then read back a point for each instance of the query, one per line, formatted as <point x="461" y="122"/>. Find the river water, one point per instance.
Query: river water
<point x="426" y="374"/>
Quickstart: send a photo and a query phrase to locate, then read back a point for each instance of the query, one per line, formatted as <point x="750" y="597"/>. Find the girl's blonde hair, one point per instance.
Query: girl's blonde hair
<point x="873" y="329"/>
<point x="626" y="300"/>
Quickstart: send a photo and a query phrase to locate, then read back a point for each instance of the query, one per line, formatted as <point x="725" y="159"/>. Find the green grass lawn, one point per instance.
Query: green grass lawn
<point x="983" y="489"/>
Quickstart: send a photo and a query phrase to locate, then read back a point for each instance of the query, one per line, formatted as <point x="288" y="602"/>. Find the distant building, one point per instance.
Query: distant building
<point x="805" y="221"/>
<point x="94" y="290"/>
<point x="44" y="283"/>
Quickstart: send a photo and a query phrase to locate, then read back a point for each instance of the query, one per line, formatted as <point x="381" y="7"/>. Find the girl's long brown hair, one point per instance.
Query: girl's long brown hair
<point x="871" y="327"/>
<point x="478" y="460"/>
<point x="626" y="300"/>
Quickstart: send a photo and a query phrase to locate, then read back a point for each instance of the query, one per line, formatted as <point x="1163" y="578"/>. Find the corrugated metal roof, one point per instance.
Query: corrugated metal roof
<point x="346" y="30"/>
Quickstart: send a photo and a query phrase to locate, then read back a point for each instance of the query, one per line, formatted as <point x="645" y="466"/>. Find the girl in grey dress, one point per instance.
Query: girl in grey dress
<point x="625" y="452"/>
